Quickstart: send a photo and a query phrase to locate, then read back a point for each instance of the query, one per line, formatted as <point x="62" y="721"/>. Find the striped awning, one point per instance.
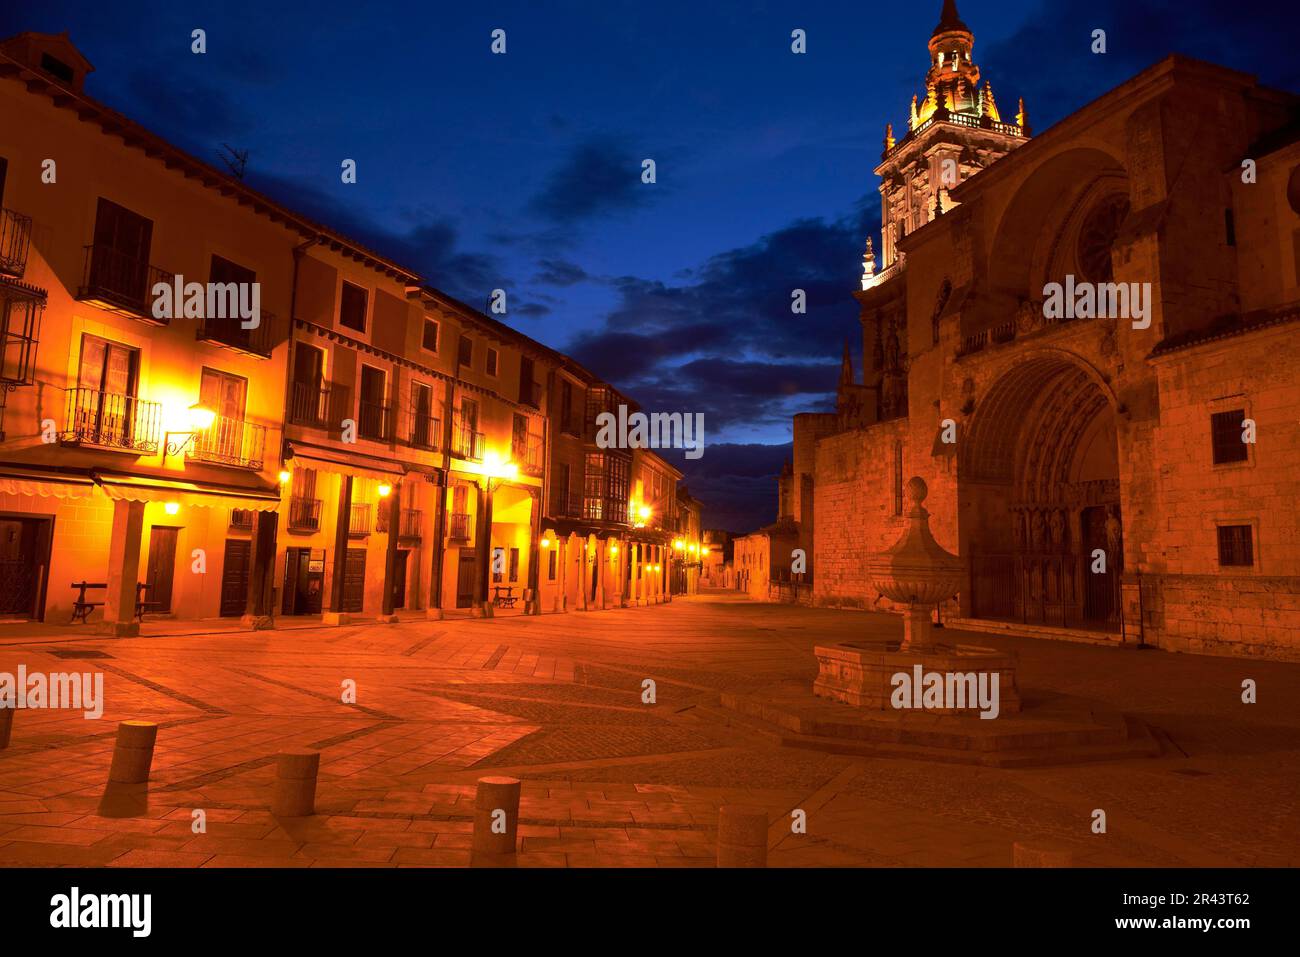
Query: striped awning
<point x="46" y="484"/>
<point x="135" y="488"/>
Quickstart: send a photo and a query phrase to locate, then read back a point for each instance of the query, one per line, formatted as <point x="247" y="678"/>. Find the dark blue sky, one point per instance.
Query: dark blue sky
<point x="522" y="171"/>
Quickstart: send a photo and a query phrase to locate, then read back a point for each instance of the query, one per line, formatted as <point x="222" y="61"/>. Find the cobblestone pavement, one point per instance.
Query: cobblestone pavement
<point x="608" y="779"/>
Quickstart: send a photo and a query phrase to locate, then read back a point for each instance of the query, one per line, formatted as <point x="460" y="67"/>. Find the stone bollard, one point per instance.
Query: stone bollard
<point x="6" y="726"/>
<point x="295" y="784"/>
<point x="493" y="795"/>
<point x="133" y="752"/>
<point x="742" y="837"/>
<point x="1037" y="854"/>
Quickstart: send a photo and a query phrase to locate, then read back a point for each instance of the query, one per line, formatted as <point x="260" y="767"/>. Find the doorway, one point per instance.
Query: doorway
<point x="466" y="573"/>
<point x="304" y="581"/>
<point x="24" y="565"/>
<point x="399" y="579"/>
<point x="234" y="577"/>
<point x="160" y="572"/>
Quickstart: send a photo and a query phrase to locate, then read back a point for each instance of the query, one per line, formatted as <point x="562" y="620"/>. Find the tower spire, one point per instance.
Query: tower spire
<point x="949" y="20"/>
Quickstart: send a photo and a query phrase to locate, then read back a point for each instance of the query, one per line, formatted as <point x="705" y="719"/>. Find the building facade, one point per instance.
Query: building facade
<point x="1126" y="473"/>
<point x="366" y="445"/>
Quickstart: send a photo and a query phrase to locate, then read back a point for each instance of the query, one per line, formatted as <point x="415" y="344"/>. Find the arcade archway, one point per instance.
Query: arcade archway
<point x="1039" y="498"/>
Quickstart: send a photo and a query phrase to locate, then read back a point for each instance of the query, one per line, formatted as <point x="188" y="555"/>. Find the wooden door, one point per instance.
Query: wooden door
<point x="354" y="580"/>
<point x="466" y="572"/>
<point x="160" y="571"/>
<point x="234" y="577"/>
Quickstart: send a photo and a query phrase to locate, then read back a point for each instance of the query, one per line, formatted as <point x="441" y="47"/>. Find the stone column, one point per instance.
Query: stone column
<point x="483" y="546"/>
<point x="602" y="556"/>
<point x="584" y="576"/>
<point x="438" y="547"/>
<point x="336" y="615"/>
<point x="562" y="563"/>
<point x="394" y="504"/>
<point x="258" y="612"/>
<point x="534" y="605"/>
<point x="633" y="583"/>
<point x="123" y="569"/>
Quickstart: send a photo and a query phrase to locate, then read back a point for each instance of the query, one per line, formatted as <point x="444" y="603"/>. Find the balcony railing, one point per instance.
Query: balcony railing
<point x="423" y="431"/>
<point x="21" y="308"/>
<point x="528" y="454"/>
<point x="304" y="514"/>
<point x="375" y="421"/>
<point x="309" y="403"/>
<point x="120" y="283"/>
<point x="359" y="521"/>
<point x="15" y="240"/>
<point x="107" y="420"/>
<point x="467" y="443"/>
<point x="458" y="526"/>
<point x="230" y="441"/>
<point x="411" y="523"/>
<point x="259" y="341"/>
<point x="241" y="518"/>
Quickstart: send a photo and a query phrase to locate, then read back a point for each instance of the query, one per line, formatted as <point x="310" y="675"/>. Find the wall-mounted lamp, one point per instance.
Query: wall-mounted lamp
<point x="200" y="420"/>
<point x="172" y="508"/>
<point x="546" y="543"/>
<point x="385" y="490"/>
<point x="285" y="476"/>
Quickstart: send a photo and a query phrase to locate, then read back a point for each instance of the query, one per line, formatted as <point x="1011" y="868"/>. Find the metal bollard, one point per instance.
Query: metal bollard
<point x="295" y="784"/>
<point x="133" y="752"/>
<point x="496" y="815"/>
<point x="1027" y="854"/>
<point x="742" y="837"/>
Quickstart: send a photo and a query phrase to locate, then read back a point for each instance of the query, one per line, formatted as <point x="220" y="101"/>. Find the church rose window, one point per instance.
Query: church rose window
<point x="1097" y="236"/>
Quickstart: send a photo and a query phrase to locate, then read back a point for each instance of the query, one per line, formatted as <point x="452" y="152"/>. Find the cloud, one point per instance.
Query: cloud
<point x="558" y="272"/>
<point x="736" y="483"/>
<point x="600" y="176"/>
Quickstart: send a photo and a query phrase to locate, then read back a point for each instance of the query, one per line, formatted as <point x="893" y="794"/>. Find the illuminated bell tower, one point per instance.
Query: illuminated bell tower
<point x="954" y="131"/>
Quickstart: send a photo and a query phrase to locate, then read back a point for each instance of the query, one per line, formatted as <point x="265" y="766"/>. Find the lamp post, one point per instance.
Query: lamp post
<point x="200" y="419"/>
<point x="500" y="470"/>
<point x="386" y="491"/>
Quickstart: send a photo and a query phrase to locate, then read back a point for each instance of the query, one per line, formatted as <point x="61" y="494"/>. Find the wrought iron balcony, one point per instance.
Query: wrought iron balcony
<point x="423" y="431"/>
<point x="309" y="403"/>
<point x="467" y="443"/>
<point x="359" y="521"/>
<point x="120" y="283"/>
<point x="458" y="526"/>
<point x="107" y="420"/>
<point x="411" y="527"/>
<point x="21" y="307"/>
<point x="230" y="441"/>
<point x="375" y="421"/>
<point x="528" y="454"/>
<point x="230" y="333"/>
<point x="15" y="241"/>
<point x="304" y="514"/>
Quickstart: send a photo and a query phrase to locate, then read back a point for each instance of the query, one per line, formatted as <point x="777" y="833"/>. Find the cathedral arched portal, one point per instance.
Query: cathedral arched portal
<point x="1039" y="515"/>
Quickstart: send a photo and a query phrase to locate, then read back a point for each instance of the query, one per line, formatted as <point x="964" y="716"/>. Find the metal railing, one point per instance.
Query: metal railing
<point x="230" y="441"/>
<point x="411" y="526"/>
<point x="375" y="421"/>
<point x="466" y="443"/>
<point x="528" y="454"/>
<point x="120" y="283"/>
<point x="423" y="431"/>
<point x="15" y="241"/>
<point x="309" y="403"/>
<point x="458" y="526"/>
<point x="111" y="421"/>
<point x="241" y="518"/>
<point x="258" y="341"/>
<point x="359" y="520"/>
<point x="304" y="514"/>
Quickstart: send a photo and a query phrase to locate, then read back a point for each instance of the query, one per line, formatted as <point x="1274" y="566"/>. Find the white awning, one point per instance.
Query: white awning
<point x="46" y="484"/>
<point x="132" y="488"/>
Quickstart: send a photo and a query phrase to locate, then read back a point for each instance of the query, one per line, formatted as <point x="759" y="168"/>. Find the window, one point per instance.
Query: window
<point x="550" y="566"/>
<point x="352" y="307"/>
<point x="56" y="68"/>
<point x="1236" y="545"/>
<point x="1225" y="435"/>
<point x="562" y="490"/>
<point x="566" y="408"/>
<point x="373" y="422"/>
<point x="514" y="565"/>
<point x="424" y="426"/>
<point x="430" y="340"/>
<point x="492" y="361"/>
<point x="465" y="355"/>
<point x="898" y="478"/>
<point x="527" y="388"/>
<point x="103" y="410"/>
<point x="119" y="264"/>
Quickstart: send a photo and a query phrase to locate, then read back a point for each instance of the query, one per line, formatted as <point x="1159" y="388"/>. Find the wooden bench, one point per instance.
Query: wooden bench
<point x="81" y="608"/>
<point x="141" y="605"/>
<point x="504" y="601"/>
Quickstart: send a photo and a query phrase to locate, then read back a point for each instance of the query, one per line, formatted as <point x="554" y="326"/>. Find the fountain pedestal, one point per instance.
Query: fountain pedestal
<point x="919" y="573"/>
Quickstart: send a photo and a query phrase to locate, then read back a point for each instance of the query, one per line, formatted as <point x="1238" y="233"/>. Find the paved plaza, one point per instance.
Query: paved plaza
<point x="607" y="779"/>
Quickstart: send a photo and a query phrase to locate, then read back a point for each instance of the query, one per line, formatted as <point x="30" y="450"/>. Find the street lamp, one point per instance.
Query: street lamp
<point x="501" y="470"/>
<point x="200" y="419"/>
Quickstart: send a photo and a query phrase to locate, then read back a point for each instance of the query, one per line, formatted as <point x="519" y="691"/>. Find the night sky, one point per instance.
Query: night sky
<point x="523" y="171"/>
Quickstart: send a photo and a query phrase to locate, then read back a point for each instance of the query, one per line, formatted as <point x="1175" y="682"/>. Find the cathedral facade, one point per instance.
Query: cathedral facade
<point x="1127" y="470"/>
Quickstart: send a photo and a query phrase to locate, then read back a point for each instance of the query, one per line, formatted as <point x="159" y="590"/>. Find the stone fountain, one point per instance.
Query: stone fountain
<point x="919" y="574"/>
